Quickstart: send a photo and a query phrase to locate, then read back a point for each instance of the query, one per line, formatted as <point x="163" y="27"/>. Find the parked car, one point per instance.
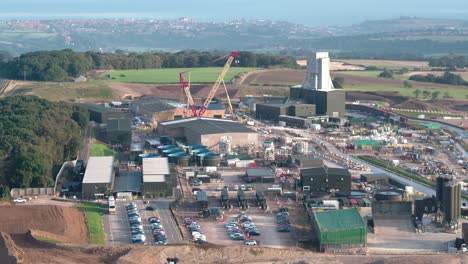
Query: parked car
<point x="236" y="187"/>
<point x="284" y="229"/>
<point x="20" y="200"/>
<point x="149" y="208"/>
<point x="250" y="242"/>
<point x="156" y="225"/>
<point x="242" y="187"/>
<point x="154" y="219"/>
<point x="253" y="232"/>
<point x="138" y="239"/>
<point x="237" y="236"/>
<point x="137" y="231"/>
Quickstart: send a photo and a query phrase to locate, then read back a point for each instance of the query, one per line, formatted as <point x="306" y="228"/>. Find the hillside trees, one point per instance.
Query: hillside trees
<point x="446" y="78"/>
<point x="34" y="135"/>
<point x="60" y="65"/>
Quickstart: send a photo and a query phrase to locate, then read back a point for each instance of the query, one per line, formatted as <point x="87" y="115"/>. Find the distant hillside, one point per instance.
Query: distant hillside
<point x="403" y="38"/>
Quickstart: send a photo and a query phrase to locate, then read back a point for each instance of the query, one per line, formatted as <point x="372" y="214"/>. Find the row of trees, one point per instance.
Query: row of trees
<point x="426" y="94"/>
<point x="59" y="65"/>
<point x="451" y="61"/>
<point x="446" y="78"/>
<point x="36" y="134"/>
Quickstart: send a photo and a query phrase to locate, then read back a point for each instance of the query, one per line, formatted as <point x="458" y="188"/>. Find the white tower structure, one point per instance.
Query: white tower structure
<point x="317" y="76"/>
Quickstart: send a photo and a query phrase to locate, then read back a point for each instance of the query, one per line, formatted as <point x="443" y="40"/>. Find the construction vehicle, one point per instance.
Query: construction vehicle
<point x="241" y="200"/>
<point x="225" y="203"/>
<point x="261" y="201"/>
<point x="218" y="82"/>
<point x="186" y="89"/>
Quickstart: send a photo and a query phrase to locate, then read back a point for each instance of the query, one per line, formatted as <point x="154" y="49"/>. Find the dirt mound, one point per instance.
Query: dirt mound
<point x="232" y="254"/>
<point x="415" y="105"/>
<point x="168" y="91"/>
<point x="60" y="223"/>
<point x="9" y="252"/>
<point x="392" y="98"/>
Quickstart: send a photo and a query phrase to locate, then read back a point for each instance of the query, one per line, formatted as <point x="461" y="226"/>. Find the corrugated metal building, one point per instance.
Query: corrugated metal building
<point x="158" y="177"/>
<point x="306" y="160"/>
<point x="99" y="177"/>
<point x="101" y="114"/>
<point x="325" y="179"/>
<point x="340" y="229"/>
<point x="259" y="175"/>
<point x="377" y="178"/>
<point x="208" y="131"/>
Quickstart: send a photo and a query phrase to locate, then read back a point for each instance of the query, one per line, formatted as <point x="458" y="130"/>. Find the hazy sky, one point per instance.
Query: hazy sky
<point x="310" y="12"/>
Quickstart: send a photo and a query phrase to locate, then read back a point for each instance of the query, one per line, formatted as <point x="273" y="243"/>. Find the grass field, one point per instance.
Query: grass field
<point x="99" y="150"/>
<point x="67" y="91"/>
<point x="93" y="213"/>
<point x="199" y="75"/>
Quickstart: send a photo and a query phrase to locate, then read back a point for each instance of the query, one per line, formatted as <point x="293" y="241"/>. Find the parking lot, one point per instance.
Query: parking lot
<point x="117" y="228"/>
<point x="265" y="222"/>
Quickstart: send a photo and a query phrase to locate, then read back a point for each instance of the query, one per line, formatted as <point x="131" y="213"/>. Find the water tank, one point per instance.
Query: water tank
<point x="388" y="195"/>
<point x="164" y="147"/>
<point x="181" y="159"/>
<point x="211" y="159"/>
<point x="198" y="151"/>
<point x="192" y="147"/>
<point x="171" y="151"/>
<point x="149" y="155"/>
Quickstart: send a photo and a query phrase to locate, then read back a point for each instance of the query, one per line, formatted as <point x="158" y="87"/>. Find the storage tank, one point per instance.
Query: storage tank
<point x="451" y="205"/>
<point x="389" y="195"/>
<point x="211" y="159"/>
<point x="351" y="194"/>
<point x="149" y="155"/>
<point x="172" y="151"/>
<point x="198" y="151"/>
<point x="193" y="147"/>
<point x="164" y="147"/>
<point x="181" y="159"/>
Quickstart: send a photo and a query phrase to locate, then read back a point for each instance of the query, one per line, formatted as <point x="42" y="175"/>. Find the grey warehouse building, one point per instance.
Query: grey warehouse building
<point x="159" y="177"/>
<point x="325" y="179"/>
<point x="208" y="131"/>
<point x="99" y="177"/>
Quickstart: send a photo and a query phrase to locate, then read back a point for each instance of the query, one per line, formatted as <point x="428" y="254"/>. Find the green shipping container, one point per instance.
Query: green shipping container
<point x="367" y="202"/>
<point x="340" y="227"/>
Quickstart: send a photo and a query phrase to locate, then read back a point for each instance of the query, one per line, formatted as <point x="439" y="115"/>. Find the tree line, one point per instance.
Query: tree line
<point x="446" y="78"/>
<point x="451" y="61"/>
<point x="35" y="135"/>
<point x="64" y="64"/>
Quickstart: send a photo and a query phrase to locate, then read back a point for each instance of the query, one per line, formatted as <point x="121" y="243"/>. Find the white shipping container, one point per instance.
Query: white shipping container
<point x="334" y="203"/>
<point x="232" y="162"/>
<point x="189" y="174"/>
<point x="250" y="123"/>
<point x="409" y="190"/>
<point x="210" y="169"/>
<point x="282" y="123"/>
<point x="244" y="163"/>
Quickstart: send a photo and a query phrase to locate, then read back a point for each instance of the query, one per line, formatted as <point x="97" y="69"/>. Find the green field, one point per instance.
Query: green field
<point x="198" y="75"/>
<point x="99" y="150"/>
<point x="93" y="213"/>
<point x="47" y="239"/>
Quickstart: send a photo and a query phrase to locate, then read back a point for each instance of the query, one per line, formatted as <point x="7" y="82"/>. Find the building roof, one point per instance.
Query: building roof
<point x="153" y="178"/>
<point x="375" y="176"/>
<point x="99" y="108"/>
<point x="154" y="105"/>
<point x="324" y="170"/>
<point x="155" y="166"/>
<point x="331" y="221"/>
<point x="137" y="147"/>
<point x="99" y="170"/>
<point x="202" y="125"/>
<point x="259" y="173"/>
<point x="153" y="141"/>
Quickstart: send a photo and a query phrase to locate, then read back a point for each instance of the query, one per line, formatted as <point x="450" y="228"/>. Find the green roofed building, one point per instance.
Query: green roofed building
<point x="366" y="142"/>
<point x="340" y="229"/>
<point x="431" y="126"/>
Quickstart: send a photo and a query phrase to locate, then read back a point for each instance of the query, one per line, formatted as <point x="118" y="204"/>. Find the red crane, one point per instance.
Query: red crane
<point x="186" y="88"/>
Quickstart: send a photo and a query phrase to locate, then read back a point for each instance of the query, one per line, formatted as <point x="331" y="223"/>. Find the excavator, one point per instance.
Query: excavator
<point x="213" y="90"/>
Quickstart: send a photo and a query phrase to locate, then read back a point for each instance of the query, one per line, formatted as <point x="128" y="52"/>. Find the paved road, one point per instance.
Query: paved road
<point x="116" y="227"/>
<point x="84" y="153"/>
<point x="167" y="221"/>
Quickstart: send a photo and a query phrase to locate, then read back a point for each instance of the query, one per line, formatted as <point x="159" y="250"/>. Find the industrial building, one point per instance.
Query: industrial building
<point x="208" y="131"/>
<point x="316" y="97"/>
<point x="448" y="193"/>
<point x="305" y="161"/>
<point x="325" y="179"/>
<point x="259" y="175"/>
<point x="98" y="180"/>
<point x="100" y="114"/>
<point x="119" y="131"/>
<point x="164" y="109"/>
<point x="338" y="230"/>
<point x="375" y="178"/>
<point x="158" y="177"/>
